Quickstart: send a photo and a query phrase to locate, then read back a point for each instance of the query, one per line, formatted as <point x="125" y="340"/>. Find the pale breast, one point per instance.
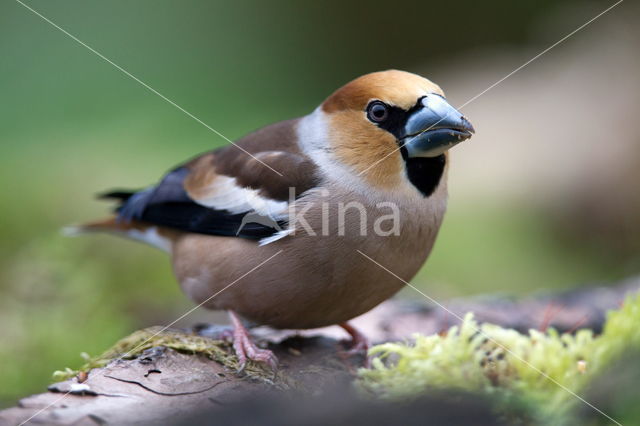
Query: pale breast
<point x="317" y="276"/>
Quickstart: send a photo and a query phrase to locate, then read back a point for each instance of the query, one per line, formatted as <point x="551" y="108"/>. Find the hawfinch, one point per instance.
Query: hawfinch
<point x="273" y="228"/>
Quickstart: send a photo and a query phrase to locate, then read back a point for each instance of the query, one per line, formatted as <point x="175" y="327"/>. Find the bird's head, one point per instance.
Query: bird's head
<point x="384" y="123"/>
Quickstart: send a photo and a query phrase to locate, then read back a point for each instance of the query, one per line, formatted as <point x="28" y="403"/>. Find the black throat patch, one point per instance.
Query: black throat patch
<point x="425" y="173"/>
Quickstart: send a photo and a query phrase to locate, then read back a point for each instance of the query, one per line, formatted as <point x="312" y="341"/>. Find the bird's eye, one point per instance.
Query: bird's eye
<point x="377" y="111"/>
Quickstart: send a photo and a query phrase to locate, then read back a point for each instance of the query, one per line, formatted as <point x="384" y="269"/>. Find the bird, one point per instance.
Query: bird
<point x="280" y="227"/>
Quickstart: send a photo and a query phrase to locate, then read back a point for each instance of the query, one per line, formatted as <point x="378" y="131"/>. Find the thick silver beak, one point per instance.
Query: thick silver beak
<point x="435" y="128"/>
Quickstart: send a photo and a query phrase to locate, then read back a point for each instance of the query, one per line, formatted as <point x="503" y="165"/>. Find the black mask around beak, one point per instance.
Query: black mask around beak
<point x="434" y="128"/>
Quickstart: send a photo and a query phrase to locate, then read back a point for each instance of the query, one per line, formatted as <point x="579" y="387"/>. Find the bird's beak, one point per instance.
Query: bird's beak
<point x="434" y="128"/>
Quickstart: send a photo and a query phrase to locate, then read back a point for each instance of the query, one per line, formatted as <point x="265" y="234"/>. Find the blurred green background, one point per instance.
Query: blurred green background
<point x="73" y="125"/>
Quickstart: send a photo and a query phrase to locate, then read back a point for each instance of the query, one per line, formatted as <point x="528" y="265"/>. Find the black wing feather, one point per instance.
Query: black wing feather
<point x="169" y="205"/>
<point x="192" y="217"/>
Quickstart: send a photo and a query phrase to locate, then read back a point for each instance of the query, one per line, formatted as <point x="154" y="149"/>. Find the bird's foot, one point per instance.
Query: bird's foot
<point x="245" y="348"/>
<point x="359" y="343"/>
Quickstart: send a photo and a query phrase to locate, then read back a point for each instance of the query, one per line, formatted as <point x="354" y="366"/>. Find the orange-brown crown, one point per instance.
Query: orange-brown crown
<point x="398" y="88"/>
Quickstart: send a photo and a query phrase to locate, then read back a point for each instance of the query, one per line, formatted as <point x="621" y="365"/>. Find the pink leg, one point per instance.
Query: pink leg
<point x="246" y="349"/>
<point x="359" y="342"/>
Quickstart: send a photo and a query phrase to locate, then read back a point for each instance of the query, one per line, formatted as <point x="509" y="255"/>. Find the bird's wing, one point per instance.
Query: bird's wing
<point x="240" y="190"/>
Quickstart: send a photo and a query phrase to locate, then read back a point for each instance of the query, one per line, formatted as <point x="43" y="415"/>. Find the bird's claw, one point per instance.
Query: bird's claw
<point x="256" y="354"/>
<point x="245" y="350"/>
<point x="358" y="348"/>
<point x="359" y="344"/>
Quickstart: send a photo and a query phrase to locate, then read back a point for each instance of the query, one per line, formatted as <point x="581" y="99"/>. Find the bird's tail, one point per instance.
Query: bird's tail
<point x="110" y="224"/>
<point x="157" y="237"/>
<point x="122" y="195"/>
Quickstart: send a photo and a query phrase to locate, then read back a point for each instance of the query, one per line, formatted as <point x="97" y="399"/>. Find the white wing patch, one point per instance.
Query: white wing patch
<point x="228" y="195"/>
<point x="275" y="237"/>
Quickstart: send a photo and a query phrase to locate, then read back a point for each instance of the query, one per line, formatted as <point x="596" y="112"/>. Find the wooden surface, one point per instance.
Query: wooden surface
<point x="163" y="386"/>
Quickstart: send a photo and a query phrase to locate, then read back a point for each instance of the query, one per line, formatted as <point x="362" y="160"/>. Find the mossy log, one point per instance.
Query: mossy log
<point x="168" y="376"/>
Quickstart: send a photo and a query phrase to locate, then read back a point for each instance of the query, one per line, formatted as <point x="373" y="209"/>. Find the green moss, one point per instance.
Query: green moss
<point x="541" y="370"/>
<point x="138" y="342"/>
